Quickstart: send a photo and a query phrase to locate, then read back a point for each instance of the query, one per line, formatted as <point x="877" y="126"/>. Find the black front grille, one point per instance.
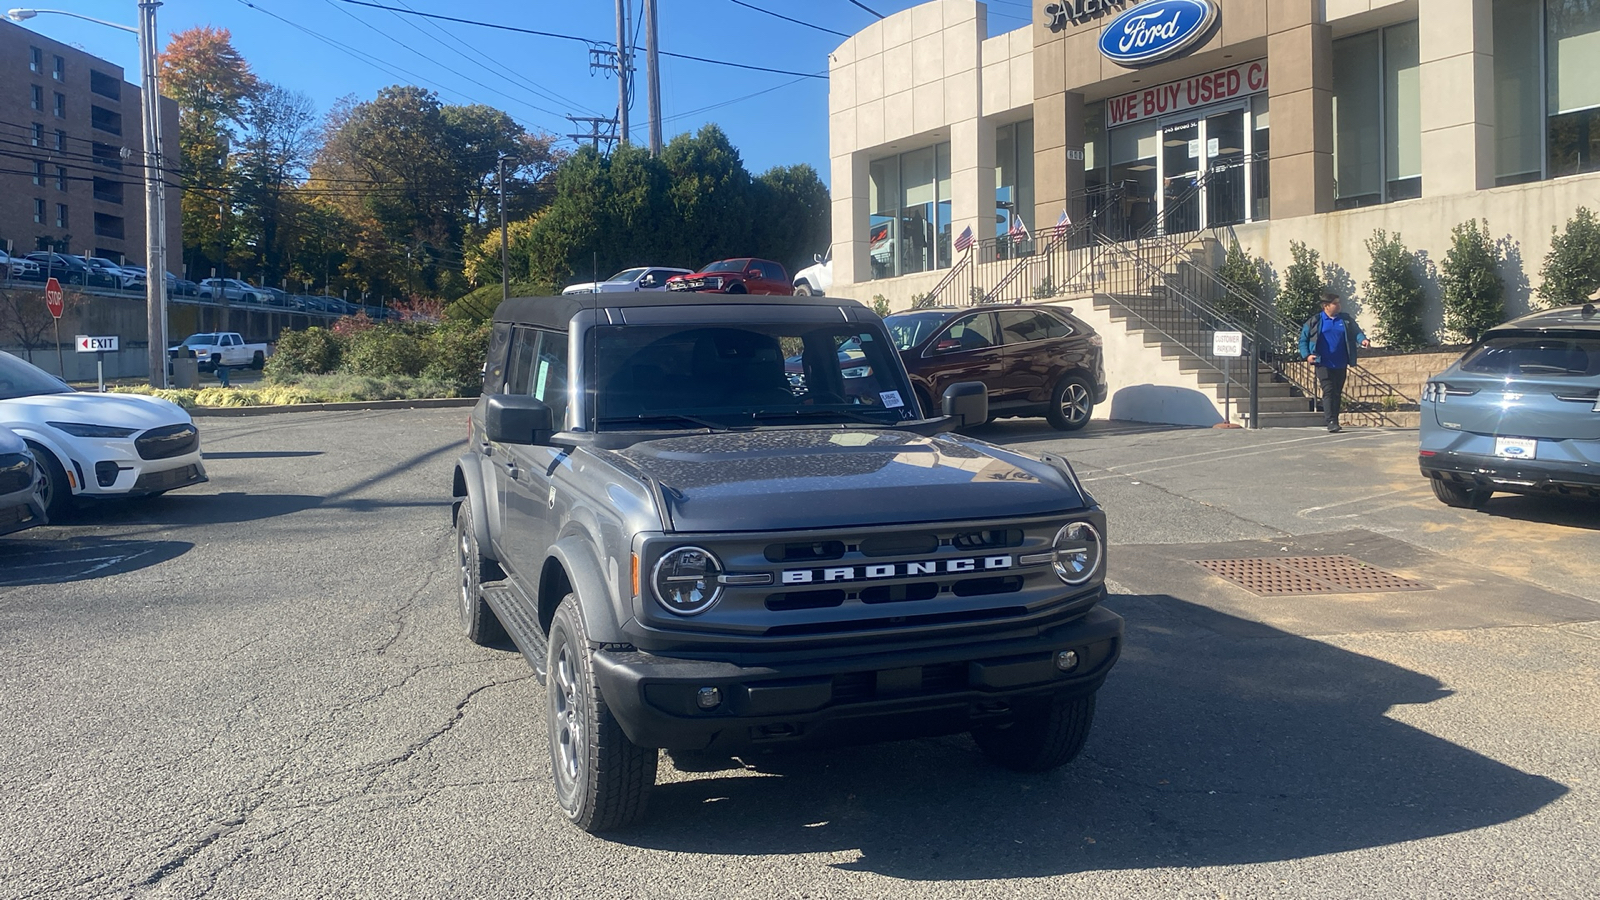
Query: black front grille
<point x="168" y="441"/>
<point x="16" y="472"/>
<point x="166" y="481"/>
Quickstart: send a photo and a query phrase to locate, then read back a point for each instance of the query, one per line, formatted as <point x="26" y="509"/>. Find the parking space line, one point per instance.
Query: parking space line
<point x="1230" y="453"/>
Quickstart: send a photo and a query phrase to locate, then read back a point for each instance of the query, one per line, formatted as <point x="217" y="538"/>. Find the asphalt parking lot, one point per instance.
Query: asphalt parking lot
<point x="256" y="688"/>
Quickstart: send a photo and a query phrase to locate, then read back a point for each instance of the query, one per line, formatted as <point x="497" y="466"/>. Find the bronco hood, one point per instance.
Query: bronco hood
<point x="820" y="478"/>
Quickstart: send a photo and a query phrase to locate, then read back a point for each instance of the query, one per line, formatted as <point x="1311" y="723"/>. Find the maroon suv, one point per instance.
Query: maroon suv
<point x="1036" y="360"/>
<point x="736" y="276"/>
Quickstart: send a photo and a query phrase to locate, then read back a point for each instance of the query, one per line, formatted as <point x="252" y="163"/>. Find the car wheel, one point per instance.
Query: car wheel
<point x="54" y="491"/>
<point x="602" y="779"/>
<point x="1071" y="404"/>
<point x="1042" y="740"/>
<point x="736" y="289"/>
<point x="1461" y="496"/>
<point x="803" y="289"/>
<point x="259" y="361"/>
<point x="477" y="619"/>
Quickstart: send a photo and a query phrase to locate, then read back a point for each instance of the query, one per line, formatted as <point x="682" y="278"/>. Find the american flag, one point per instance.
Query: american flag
<point x="964" y="239"/>
<point x="1062" y="224"/>
<point x="1019" y="231"/>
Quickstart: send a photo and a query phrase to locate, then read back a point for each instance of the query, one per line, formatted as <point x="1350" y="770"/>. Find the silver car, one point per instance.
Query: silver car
<point x="20" y="506"/>
<point x="1519" y="413"/>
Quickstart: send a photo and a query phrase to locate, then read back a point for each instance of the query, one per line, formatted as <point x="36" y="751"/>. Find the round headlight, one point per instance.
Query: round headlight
<point x="685" y="581"/>
<point x="1079" y="552"/>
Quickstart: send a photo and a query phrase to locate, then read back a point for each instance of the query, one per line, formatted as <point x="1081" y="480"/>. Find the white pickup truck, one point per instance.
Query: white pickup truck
<point x="227" y="348"/>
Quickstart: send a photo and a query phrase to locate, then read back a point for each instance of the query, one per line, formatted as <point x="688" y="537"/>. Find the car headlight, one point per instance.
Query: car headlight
<point x="79" y="429"/>
<point x="1079" y="552"/>
<point x="686" y="580"/>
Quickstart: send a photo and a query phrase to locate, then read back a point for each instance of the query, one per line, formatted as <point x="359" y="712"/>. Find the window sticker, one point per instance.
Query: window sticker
<point x="891" y="399"/>
<point x="544" y="373"/>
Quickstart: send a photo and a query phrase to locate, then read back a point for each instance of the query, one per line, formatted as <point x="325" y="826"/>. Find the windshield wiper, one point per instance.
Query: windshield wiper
<point x="800" y="413"/>
<point x="667" y="417"/>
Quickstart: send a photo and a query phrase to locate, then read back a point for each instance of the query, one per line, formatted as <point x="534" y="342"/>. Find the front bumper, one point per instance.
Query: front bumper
<point x="20" y="511"/>
<point x="1521" y="476"/>
<point x="839" y="699"/>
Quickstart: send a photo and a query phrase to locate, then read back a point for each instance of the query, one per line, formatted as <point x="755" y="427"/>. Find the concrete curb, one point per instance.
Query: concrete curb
<point x="238" y="411"/>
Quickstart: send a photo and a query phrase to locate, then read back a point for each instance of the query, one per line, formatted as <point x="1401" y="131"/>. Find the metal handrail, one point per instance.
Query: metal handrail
<point x="929" y="298"/>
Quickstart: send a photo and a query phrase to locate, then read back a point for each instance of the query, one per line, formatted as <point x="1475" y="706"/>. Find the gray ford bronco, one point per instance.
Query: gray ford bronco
<point x="726" y="526"/>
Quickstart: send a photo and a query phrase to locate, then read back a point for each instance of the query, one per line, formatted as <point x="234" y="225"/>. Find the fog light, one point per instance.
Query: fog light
<point x="1067" y="660"/>
<point x="708" y="698"/>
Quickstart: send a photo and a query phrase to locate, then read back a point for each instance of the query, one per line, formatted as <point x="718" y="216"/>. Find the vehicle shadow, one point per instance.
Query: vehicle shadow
<point x="260" y="454"/>
<point x="179" y="508"/>
<point x="1218" y="741"/>
<point x="1573" y="512"/>
<point x="34" y="561"/>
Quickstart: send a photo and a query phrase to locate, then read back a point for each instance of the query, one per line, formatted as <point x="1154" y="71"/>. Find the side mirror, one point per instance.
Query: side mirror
<point x="519" y="419"/>
<point x="967" y="402"/>
<point x="816" y="258"/>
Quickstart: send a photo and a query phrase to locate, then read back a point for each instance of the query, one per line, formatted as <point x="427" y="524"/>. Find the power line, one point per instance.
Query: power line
<point x="786" y="18"/>
<point x="571" y="37"/>
<point x="858" y="3"/>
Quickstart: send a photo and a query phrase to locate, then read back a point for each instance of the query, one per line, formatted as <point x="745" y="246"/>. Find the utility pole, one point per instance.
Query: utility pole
<point x="505" y="271"/>
<point x="594" y="134"/>
<point x="653" y="75"/>
<point x="155" y="197"/>
<point x="624" y="58"/>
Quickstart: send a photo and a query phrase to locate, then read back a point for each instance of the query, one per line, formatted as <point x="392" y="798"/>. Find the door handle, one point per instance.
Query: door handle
<point x="511" y="470"/>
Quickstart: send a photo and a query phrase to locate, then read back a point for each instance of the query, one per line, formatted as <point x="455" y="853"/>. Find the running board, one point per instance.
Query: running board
<point x="512" y="610"/>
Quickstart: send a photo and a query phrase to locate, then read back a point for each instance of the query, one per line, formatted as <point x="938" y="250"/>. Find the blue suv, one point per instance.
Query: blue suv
<point x="1519" y="413"/>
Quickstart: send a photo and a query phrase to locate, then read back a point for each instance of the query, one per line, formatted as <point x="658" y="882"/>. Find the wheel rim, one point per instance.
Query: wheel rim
<point x="47" y="488"/>
<point x="1075" y="402"/>
<point x="564" y="712"/>
<point x="467" y="556"/>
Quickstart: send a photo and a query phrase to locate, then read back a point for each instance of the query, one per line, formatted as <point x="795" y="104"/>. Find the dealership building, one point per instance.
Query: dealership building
<point x="1317" y="121"/>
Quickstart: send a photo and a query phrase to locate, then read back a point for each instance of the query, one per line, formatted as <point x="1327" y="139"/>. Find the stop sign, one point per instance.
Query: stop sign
<point x="52" y="297"/>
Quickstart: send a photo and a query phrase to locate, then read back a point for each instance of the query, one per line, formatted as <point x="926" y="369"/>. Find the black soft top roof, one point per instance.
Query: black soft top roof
<point x="556" y="312"/>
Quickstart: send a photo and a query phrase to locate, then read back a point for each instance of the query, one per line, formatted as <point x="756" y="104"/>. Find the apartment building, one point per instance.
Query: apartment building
<point x="72" y="153"/>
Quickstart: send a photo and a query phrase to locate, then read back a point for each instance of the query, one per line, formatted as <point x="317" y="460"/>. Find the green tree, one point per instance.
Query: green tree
<point x="792" y="215"/>
<point x="280" y="138"/>
<point x="1571" y="272"/>
<point x="1301" y="293"/>
<point x="1394" y="292"/>
<point x="1469" y="279"/>
<point x="1242" y="272"/>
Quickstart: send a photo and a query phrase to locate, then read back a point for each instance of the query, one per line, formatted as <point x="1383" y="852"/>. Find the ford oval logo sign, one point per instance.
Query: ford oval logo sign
<point x="1156" y="30"/>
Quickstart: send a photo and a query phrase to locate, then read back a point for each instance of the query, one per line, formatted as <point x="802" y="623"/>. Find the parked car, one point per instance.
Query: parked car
<point x="71" y="270"/>
<point x="1518" y="413"/>
<point x="643" y="278"/>
<point x="91" y="445"/>
<point x="815" y="279"/>
<point x="19" y="267"/>
<point x="230" y="289"/>
<point x="222" y="348"/>
<point x="910" y="583"/>
<point x="735" y="276"/>
<point x="119" y="276"/>
<point x="1035" y="359"/>
<point x="20" y="506"/>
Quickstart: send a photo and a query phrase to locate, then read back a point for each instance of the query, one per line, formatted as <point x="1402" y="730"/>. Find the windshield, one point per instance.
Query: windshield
<point x="1509" y="355"/>
<point x="626" y="275"/>
<point x="910" y="329"/>
<point x="20" y="379"/>
<point x="677" y="376"/>
<point x="198" y="340"/>
<point x="727" y="265"/>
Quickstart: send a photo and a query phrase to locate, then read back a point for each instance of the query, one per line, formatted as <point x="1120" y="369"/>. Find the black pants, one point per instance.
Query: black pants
<point x="1332" y="383"/>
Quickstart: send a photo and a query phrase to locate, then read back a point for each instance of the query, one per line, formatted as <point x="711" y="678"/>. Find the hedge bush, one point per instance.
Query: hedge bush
<point x="1300" y="297"/>
<point x="386" y="350"/>
<point x="455" y="352"/>
<point x="315" y="350"/>
<point x="1394" y="292"/>
<point x="1571" y="270"/>
<point x="1243" y="273"/>
<point x="1469" y="280"/>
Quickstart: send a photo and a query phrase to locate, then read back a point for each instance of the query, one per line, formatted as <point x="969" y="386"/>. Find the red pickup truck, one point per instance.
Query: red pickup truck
<point x="736" y="276"/>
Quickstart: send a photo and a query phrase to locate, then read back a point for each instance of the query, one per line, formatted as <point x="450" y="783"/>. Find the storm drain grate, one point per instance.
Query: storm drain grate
<point x="1289" y="575"/>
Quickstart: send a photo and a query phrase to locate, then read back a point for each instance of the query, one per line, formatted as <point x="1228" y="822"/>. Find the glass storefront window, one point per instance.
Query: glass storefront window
<point x="908" y="223"/>
<point x="1261" y="151"/>
<point x="1133" y="166"/>
<point x="1572" y="71"/>
<point x="1377" y="117"/>
<point x="1518" y="117"/>
<point x="1013" y="177"/>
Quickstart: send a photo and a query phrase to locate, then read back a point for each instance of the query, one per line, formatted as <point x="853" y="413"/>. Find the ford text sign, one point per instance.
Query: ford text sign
<point x="1156" y="30"/>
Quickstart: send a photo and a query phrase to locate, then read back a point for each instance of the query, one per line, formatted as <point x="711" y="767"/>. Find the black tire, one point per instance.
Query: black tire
<point x="803" y="289"/>
<point x="737" y="289"/>
<point x="259" y="361"/>
<point x="477" y="619"/>
<point x="1040" y="741"/>
<point x="1071" y="403"/>
<point x="602" y="780"/>
<point x="1460" y="496"/>
<point x="53" y="488"/>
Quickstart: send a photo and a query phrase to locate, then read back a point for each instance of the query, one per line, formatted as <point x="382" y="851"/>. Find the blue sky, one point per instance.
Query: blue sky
<point x="547" y="78"/>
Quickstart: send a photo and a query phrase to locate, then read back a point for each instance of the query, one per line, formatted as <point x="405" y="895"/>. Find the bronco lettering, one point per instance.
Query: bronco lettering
<point x="896" y="570"/>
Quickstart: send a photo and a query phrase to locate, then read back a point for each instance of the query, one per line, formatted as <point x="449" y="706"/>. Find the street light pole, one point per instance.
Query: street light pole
<point x="155" y="186"/>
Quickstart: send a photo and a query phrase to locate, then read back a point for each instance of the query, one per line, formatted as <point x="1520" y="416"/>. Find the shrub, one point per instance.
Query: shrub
<point x="386" y="350"/>
<point x="456" y="351"/>
<point x="1571" y="270"/>
<point x="1469" y="279"/>
<point x="314" y="350"/>
<point x="1045" y="289"/>
<point x="1394" y="292"/>
<point x="1243" y="274"/>
<point x="880" y="305"/>
<point x="1301" y="294"/>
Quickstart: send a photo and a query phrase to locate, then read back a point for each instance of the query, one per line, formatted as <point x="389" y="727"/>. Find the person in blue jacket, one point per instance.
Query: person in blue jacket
<point x="1329" y="340"/>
